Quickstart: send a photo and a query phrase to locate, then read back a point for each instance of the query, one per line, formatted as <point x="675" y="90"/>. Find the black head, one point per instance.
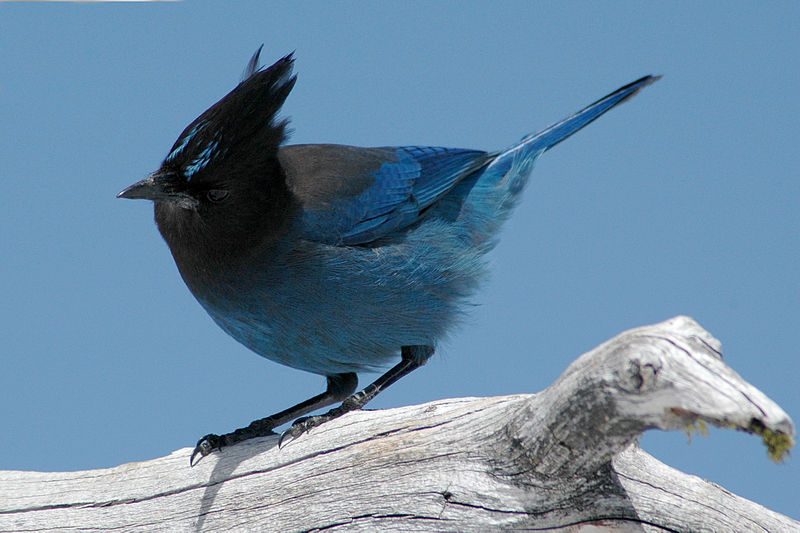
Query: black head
<point x="221" y="190"/>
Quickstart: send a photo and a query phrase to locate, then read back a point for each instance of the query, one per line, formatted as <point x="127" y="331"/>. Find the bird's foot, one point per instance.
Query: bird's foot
<point x="206" y="445"/>
<point x="303" y="424"/>
<point x="299" y="426"/>
<point x="211" y="442"/>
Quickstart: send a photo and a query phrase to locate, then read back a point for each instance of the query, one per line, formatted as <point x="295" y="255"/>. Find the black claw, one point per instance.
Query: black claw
<point x="287" y="433"/>
<point x="300" y="426"/>
<point x="293" y="432"/>
<point x="205" y="446"/>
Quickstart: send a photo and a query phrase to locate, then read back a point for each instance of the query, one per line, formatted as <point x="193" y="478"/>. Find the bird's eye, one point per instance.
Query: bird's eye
<point x="216" y="195"/>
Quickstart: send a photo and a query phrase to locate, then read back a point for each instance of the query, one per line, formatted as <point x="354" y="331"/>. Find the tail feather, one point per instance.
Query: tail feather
<point x="546" y="139"/>
<point x="523" y="155"/>
<point x="492" y="192"/>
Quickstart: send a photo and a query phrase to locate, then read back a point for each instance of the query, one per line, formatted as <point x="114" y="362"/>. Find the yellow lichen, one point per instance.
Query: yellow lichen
<point x="698" y="427"/>
<point x="778" y="444"/>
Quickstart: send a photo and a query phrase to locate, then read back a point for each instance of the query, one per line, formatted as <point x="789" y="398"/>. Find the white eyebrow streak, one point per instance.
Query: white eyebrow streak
<point x="186" y="140"/>
<point x="202" y="159"/>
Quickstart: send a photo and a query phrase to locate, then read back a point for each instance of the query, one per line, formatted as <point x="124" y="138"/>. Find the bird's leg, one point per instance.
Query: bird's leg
<point x="413" y="357"/>
<point x="340" y="386"/>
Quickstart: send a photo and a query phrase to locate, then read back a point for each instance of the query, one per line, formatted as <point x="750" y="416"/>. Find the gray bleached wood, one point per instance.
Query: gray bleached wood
<point x="562" y="460"/>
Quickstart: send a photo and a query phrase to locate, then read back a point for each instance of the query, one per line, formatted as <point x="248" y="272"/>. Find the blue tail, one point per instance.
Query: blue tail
<point x="491" y="193"/>
<point x="546" y="139"/>
<point x="521" y="157"/>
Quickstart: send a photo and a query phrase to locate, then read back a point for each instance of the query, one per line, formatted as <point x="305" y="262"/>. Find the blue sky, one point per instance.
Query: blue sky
<point x="682" y="201"/>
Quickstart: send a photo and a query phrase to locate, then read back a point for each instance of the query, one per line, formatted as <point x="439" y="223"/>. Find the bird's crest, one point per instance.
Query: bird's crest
<point x="241" y="128"/>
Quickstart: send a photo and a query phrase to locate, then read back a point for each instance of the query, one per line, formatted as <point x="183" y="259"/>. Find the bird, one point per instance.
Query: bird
<point x="333" y="259"/>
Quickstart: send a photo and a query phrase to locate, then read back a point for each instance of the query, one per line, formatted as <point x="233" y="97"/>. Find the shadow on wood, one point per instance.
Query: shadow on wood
<point x="562" y="459"/>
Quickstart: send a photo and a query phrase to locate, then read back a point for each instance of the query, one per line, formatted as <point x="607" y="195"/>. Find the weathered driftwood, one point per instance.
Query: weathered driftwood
<point x="563" y="460"/>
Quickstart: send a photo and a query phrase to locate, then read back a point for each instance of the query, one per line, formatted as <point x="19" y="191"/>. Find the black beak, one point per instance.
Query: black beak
<point x="153" y="187"/>
<point x="159" y="186"/>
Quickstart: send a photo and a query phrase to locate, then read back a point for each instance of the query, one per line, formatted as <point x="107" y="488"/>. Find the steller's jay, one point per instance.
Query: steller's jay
<point x="330" y="258"/>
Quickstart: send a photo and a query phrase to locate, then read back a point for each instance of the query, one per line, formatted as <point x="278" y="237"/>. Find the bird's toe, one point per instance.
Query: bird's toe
<point x="300" y="426"/>
<point x="205" y="446"/>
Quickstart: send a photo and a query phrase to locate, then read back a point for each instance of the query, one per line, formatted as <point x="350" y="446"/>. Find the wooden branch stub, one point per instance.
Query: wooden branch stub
<point x="667" y="376"/>
<point x="560" y="459"/>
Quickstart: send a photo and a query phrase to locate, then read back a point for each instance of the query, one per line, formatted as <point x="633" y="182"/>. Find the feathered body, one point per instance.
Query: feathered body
<point x="310" y="301"/>
<point x="333" y="259"/>
<point x="329" y="258"/>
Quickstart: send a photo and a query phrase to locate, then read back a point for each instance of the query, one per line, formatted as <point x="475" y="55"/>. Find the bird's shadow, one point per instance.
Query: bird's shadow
<point x="227" y="461"/>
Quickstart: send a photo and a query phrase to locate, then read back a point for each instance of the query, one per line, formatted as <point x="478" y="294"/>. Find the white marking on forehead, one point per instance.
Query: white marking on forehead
<point x="186" y="140"/>
<point x="202" y="159"/>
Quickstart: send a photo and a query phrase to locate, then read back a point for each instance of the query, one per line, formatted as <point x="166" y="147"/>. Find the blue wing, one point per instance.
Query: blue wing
<point x="353" y="196"/>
